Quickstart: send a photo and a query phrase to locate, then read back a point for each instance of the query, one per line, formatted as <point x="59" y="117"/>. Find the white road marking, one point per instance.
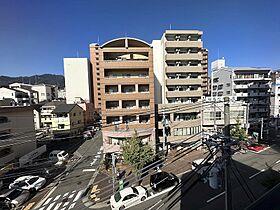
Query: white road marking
<point x="216" y="196"/>
<point x="57" y="206"/>
<point x="89" y="170"/>
<point x="101" y="148"/>
<point x="278" y="161"/>
<point x="72" y="206"/>
<point x="56" y="198"/>
<point x="50" y="206"/>
<point x="63" y="208"/>
<point x="42" y="208"/>
<point x="65" y="204"/>
<point x="65" y="194"/>
<point x="39" y="204"/>
<point x="256" y="174"/>
<point x="47" y="201"/>
<point x="72" y="195"/>
<point x="78" y="196"/>
<point x="74" y="191"/>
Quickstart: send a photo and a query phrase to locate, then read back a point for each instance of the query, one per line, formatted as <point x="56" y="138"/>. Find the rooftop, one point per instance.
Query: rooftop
<point x="64" y="108"/>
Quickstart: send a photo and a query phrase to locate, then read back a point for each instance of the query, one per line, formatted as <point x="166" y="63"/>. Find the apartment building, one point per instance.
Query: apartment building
<point x="46" y="92"/>
<point x="248" y="84"/>
<point x="26" y="88"/>
<point x="16" y="139"/>
<point x="275" y="94"/>
<point x="77" y="79"/>
<point x="181" y="79"/>
<point x="123" y="89"/>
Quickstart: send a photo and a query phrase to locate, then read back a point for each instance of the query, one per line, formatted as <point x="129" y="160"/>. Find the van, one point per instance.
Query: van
<point x="59" y="155"/>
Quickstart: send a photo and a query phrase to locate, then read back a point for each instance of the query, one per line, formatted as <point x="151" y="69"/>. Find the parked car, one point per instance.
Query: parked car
<point x="59" y="155"/>
<point x="163" y="180"/>
<point x="199" y="167"/>
<point x="128" y="197"/>
<point x="256" y="147"/>
<point x="32" y="183"/>
<point x="13" y="198"/>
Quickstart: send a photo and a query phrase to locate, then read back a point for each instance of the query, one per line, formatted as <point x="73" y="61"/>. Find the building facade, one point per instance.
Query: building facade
<point x="275" y="94"/>
<point x="17" y="133"/>
<point x="46" y="92"/>
<point x="77" y="79"/>
<point x="67" y="121"/>
<point x="19" y="97"/>
<point x="123" y="89"/>
<point x="251" y="85"/>
<point x="181" y="79"/>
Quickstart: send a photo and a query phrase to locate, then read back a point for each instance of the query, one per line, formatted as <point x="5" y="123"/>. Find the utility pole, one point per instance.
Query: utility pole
<point x="261" y="128"/>
<point x="156" y="128"/>
<point x="247" y="117"/>
<point x="113" y="170"/>
<point x="215" y="123"/>
<point x="164" y="132"/>
<point x="227" y="153"/>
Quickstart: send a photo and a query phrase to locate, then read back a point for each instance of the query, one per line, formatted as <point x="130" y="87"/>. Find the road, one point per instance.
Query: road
<point x="256" y="169"/>
<point x="68" y="192"/>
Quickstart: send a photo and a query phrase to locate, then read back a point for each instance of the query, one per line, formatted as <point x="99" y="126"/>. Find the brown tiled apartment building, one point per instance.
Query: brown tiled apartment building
<point x="123" y="89"/>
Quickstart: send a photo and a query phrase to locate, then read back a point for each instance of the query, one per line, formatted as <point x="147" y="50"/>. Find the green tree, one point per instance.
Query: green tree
<point x="136" y="154"/>
<point x="238" y="132"/>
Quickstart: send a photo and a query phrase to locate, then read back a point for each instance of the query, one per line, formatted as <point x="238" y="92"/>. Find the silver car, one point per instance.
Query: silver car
<point x="14" y="198"/>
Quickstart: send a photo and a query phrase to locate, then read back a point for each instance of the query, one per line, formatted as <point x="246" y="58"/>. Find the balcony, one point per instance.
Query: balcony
<point x="184" y="56"/>
<point x="190" y="93"/>
<point x="258" y="94"/>
<point x="184" y="69"/>
<point x="197" y="81"/>
<point x="188" y="44"/>
<point x="242" y="94"/>
<point x="240" y="86"/>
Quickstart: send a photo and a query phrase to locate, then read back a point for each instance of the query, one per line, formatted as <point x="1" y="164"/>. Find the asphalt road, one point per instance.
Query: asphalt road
<point x="257" y="169"/>
<point x="68" y="192"/>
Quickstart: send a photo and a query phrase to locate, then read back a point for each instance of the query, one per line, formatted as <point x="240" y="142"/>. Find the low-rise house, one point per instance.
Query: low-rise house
<point x="67" y="121"/>
<point x="21" y="98"/>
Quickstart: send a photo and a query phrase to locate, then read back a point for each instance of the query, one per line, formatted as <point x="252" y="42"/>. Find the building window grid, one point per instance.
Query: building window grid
<point x="187" y="131"/>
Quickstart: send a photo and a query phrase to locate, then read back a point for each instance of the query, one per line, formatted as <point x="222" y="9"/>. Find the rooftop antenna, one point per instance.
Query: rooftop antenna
<point x="170" y="26"/>
<point x="98" y="39"/>
<point x="77" y="54"/>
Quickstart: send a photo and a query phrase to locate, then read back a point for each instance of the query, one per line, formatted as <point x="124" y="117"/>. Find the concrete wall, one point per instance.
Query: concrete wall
<point x="77" y="79"/>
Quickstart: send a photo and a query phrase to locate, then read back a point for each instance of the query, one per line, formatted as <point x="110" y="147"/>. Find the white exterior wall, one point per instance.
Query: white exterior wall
<point x="275" y="99"/>
<point x="44" y="92"/>
<point x="61" y="94"/>
<point x="158" y="63"/>
<point x="218" y="64"/>
<point x="77" y="79"/>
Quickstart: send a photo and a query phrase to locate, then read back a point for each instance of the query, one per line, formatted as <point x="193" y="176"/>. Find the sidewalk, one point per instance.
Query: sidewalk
<point x="177" y="163"/>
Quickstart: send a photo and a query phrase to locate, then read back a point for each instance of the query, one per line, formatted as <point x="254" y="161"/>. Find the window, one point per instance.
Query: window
<point x="74" y="114"/>
<point x="228" y="84"/>
<point x="186" y="131"/>
<point x="61" y="126"/>
<point x="228" y="92"/>
<point x="218" y="115"/>
<point x="42" y="94"/>
<point x="128" y="197"/>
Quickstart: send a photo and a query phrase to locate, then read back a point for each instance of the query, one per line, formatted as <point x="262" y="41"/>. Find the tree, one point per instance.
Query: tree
<point x="136" y="154"/>
<point x="238" y="132"/>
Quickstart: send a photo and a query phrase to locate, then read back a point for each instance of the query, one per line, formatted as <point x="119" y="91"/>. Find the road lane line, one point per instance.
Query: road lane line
<point x="57" y="206"/>
<point x="29" y="206"/>
<point x="47" y="201"/>
<point x="39" y="204"/>
<point x="78" y="195"/>
<point x="56" y="198"/>
<point x="66" y="203"/>
<point x="89" y="170"/>
<point x="278" y="161"/>
<point x="74" y="191"/>
<point x="213" y="198"/>
<point x="65" y="194"/>
<point x="42" y="208"/>
<point x="50" y="206"/>
<point x="72" y="206"/>
<point x="256" y="174"/>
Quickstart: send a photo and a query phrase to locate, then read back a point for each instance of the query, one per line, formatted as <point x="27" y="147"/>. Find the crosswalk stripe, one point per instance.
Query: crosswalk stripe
<point x="65" y="204"/>
<point x="47" y="201"/>
<point x="42" y="208"/>
<point x="72" y="206"/>
<point x="78" y="195"/>
<point x="65" y="194"/>
<point x="74" y="191"/>
<point x="57" y="206"/>
<point x="50" y="206"/>
<point x="63" y="208"/>
<point x="72" y="195"/>
<point x="56" y="198"/>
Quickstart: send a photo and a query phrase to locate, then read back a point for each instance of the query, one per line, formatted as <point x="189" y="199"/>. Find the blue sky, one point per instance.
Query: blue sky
<point x="35" y="35"/>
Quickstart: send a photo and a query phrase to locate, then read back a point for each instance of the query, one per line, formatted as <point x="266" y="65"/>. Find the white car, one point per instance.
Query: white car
<point x="128" y="197"/>
<point x="32" y="183"/>
<point x="59" y="155"/>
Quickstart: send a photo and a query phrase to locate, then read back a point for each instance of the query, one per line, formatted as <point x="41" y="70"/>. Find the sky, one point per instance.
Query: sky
<point x="36" y="35"/>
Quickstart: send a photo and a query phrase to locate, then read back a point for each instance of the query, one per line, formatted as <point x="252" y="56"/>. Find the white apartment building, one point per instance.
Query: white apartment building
<point x="77" y="79"/>
<point x="181" y="79"/>
<point x="248" y="84"/>
<point x="46" y="92"/>
<point x="275" y="95"/>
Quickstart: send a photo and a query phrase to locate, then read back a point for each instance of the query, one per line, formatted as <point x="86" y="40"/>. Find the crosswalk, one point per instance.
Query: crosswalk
<point x="66" y="201"/>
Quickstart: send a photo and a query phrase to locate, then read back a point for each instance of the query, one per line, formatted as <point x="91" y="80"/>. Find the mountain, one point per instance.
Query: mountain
<point x="51" y="79"/>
